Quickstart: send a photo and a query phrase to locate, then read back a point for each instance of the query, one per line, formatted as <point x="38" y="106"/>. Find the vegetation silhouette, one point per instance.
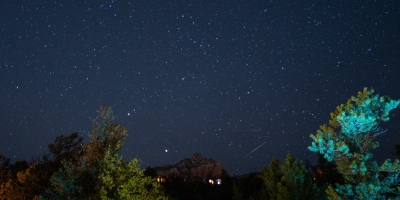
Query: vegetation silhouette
<point x="94" y="170"/>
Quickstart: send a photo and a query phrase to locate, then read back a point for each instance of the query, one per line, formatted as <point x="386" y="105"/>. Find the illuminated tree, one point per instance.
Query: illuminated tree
<point x="291" y="180"/>
<point x="79" y="178"/>
<point x="271" y="177"/>
<point x="100" y="173"/>
<point x="125" y="180"/>
<point x="74" y="181"/>
<point x="348" y="140"/>
<point x="26" y="185"/>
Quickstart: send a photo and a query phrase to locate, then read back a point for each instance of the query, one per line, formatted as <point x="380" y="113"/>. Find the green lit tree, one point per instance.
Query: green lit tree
<point x="271" y="177"/>
<point x="100" y="173"/>
<point x="291" y="180"/>
<point x="125" y="180"/>
<point x="348" y="140"/>
<point x="105" y="135"/>
<point x="27" y="184"/>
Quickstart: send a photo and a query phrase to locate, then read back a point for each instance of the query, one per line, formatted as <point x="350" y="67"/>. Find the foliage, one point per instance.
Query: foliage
<point x="125" y="180"/>
<point x="237" y="195"/>
<point x="64" y="149"/>
<point x="105" y="135"/>
<point x="26" y="185"/>
<point x="4" y="166"/>
<point x="74" y="181"/>
<point x="348" y="140"/>
<point x="18" y="180"/>
<point x="151" y="172"/>
<point x="249" y="186"/>
<point x="325" y="173"/>
<point x="291" y="180"/>
<point x="67" y="148"/>
<point x="99" y="173"/>
<point x="272" y="176"/>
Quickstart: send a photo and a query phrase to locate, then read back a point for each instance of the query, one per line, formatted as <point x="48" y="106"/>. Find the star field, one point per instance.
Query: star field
<point x="222" y="78"/>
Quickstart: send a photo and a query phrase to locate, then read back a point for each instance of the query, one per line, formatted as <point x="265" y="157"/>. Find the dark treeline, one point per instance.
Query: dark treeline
<point x="94" y="170"/>
<point x="33" y="180"/>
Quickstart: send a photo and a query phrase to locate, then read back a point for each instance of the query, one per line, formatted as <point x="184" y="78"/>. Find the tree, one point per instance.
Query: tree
<point x="291" y="180"/>
<point x="100" y="173"/>
<point x="151" y="172"/>
<point x="125" y="180"/>
<point x="74" y="181"/>
<point x="27" y="184"/>
<point x="272" y="176"/>
<point x="237" y="194"/>
<point x="67" y="148"/>
<point x="325" y="173"/>
<point x="348" y="140"/>
<point x="80" y="179"/>
<point x="31" y="181"/>
<point x="105" y="135"/>
<point x="10" y="186"/>
<point x="4" y="166"/>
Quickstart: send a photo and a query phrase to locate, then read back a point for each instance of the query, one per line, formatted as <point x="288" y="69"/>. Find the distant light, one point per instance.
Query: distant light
<point x="129" y="114"/>
<point x="166" y="150"/>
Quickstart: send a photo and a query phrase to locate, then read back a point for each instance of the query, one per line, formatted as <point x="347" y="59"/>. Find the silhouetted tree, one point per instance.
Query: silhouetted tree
<point x="68" y="148"/>
<point x="151" y="172"/>
<point x="237" y="193"/>
<point x="250" y="186"/>
<point x="397" y="152"/>
<point x="325" y="173"/>
<point x="4" y="166"/>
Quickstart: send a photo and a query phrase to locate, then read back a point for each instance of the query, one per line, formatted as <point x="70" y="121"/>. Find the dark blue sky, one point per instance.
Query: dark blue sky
<point x="216" y="77"/>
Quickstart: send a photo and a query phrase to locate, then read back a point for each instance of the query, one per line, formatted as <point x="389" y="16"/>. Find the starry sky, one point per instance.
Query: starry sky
<point x="237" y="81"/>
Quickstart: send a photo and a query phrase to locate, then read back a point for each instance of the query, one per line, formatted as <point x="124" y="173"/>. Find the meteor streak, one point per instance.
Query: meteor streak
<point x="254" y="150"/>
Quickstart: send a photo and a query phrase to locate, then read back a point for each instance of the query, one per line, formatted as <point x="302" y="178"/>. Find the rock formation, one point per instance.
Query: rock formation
<point x="196" y="166"/>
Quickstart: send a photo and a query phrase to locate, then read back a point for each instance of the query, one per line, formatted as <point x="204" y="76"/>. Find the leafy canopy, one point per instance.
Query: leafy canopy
<point x="348" y="140"/>
<point x="291" y="180"/>
<point x="100" y="173"/>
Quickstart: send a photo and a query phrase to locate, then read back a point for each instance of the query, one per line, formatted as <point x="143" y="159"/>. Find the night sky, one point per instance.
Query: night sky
<point x="221" y="78"/>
